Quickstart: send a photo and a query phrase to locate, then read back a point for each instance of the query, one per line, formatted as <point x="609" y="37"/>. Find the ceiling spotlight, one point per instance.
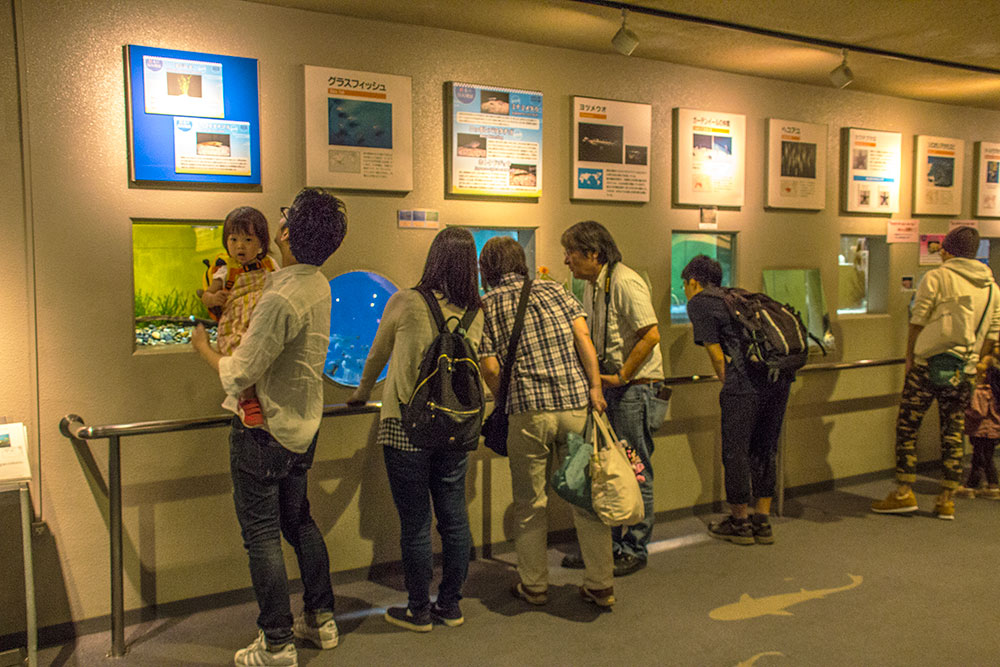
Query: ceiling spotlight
<point x="842" y="76"/>
<point x="624" y="40"/>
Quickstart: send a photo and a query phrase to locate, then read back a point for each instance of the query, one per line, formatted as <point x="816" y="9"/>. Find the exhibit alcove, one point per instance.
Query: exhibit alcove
<point x="168" y="265"/>
<point x="358" y="300"/>
<point x="685" y="246"/>
<point x="526" y="237"/>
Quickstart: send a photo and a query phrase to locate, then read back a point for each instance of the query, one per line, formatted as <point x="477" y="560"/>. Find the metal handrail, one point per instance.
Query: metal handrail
<point x="73" y="427"/>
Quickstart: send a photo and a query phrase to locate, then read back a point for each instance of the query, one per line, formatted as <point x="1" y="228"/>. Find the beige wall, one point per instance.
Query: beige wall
<point x="180" y="533"/>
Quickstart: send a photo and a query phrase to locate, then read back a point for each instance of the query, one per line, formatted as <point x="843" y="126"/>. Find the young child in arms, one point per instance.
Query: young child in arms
<point x="235" y="287"/>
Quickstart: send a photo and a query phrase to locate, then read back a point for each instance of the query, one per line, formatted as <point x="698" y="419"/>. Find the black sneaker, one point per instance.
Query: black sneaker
<point x="626" y="564"/>
<point x="737" y="531"/>
<point x="573" y="562"/>
<point x="404" y="618"/>
<point x="761" y="529"/>
<point x="450" y="615"/>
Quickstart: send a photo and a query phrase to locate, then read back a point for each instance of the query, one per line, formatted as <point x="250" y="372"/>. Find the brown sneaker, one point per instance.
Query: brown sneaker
<point x="604" y="597"/>
<point x="531" y="597"/>
<point x="963" y="492"/>
<point x="993" y="493"/>
<point x="945" y="509"/>
<point x="894" y="504"/>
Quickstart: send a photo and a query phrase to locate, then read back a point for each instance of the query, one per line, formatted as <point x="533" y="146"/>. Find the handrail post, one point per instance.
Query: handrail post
<point x="115" y="526"/>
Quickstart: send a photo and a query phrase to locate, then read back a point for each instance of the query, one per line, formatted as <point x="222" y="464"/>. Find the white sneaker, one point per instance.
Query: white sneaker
<point x="325" y="636"/>
<point x="257" y="654"/>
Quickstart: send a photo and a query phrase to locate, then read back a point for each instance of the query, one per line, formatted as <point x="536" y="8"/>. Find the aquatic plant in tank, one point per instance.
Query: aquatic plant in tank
<point x="167" y="269"/>
<point x="358" y="300"/>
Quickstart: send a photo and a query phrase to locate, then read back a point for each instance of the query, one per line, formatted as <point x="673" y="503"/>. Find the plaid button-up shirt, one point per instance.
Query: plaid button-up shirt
<point x="547" y="373"/>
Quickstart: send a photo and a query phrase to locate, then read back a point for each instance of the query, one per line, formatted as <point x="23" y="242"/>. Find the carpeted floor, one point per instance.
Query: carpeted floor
<point x="841" y="586"/>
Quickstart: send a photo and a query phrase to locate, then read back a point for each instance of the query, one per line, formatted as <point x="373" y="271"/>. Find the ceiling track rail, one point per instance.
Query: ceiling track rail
<point x="788" y="36"/>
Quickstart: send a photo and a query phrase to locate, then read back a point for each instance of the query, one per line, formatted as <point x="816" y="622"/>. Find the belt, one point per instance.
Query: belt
<point x="645" y="381"/>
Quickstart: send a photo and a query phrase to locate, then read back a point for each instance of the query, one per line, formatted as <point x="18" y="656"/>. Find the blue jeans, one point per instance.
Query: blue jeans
<point x="628" y="410"/>
<point x="269" y="488"/>
<point x="416" y="479"/>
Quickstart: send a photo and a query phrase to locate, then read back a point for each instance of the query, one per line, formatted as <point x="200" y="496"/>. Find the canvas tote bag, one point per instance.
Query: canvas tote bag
<point x="614" y="489"/>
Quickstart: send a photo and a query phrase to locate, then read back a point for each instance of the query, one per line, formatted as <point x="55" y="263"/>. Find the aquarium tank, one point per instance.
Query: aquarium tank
<point x="685" y="246"/>
<point x="358" y="300"/>
<point x="167" y="269"/>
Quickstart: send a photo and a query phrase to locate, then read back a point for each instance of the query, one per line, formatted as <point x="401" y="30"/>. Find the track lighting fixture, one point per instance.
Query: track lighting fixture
<point x="624" y="40"/>
<point x="842" y="76"/>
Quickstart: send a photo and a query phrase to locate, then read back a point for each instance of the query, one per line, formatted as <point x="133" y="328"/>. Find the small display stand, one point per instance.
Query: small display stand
<point x="15" y="473"/>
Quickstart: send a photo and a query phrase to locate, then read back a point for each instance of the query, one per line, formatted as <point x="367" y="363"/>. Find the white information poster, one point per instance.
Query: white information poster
<point x="796" y="164"/>
<point x="902" y="231"/>
<point x="987" y="179"/>
<point x="496" y="141"/>
<point x="203" y="146"/>
<point x="359" y="133"/>
<point x="611" y="142"/>
<point x="14" y="453"/>
<point x="872" y="164"/>
<point x="709" y="157"/>
<point x="176" y="87"/>
<point x="938" y="164"/>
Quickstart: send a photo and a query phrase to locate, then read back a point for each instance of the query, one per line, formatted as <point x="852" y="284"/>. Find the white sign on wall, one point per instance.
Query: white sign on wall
<point x="359" y="132"/>
<point x="14" y="453"/>
<point x="796" y="165"/>
<point x="987" y="179"/>
<point x="938" y="164"/>
<point x="611" y="143"/>
<point x="709" y="157"/>
<point x="872" y="167"/>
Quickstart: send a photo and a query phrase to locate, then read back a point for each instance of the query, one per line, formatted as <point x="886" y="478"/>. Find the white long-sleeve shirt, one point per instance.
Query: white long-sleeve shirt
<point x="283" y="353"/>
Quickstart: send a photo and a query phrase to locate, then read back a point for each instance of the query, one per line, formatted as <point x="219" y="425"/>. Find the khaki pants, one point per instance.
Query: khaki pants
<point x="533" y="438"/>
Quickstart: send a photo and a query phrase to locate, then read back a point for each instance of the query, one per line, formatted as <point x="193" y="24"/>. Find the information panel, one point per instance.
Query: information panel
<point x="937" y="175"/>
<point x="193" y="117"/>
<point x="709" y="157"/>
<point x="611" y="143"/>
<point x="796" y="164"/>
<point x="14" y="465"/>
<point x="496" y="141"/>
<point x="987" y="179"/>
<point x="872" y="165"/>
<point x="359" y="131"/>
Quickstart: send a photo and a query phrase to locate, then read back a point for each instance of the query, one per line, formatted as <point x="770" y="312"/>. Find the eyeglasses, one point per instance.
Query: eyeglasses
<point x="286" y="211"/>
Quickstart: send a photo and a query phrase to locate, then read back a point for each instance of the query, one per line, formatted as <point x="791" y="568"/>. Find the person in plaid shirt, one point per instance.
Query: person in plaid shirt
<point x="554" y="380"/>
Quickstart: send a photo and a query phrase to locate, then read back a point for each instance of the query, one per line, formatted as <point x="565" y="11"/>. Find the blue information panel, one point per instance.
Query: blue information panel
<point x="193" y="117"/>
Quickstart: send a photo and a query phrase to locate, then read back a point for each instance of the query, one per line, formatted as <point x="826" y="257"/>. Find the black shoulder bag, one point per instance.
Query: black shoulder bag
<point x="495" y="426"/>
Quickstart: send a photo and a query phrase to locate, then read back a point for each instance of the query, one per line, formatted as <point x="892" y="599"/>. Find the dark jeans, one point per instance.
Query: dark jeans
<point x="751" y="425"/>
<point x="416" y="479"/>
<point x="628" y="411"/>
<point x="982" y="462"/>
<point x="269" y="487"/>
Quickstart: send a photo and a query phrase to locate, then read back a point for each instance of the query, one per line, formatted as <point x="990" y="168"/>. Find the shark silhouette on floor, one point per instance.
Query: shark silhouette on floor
<point x="774" y="605"/>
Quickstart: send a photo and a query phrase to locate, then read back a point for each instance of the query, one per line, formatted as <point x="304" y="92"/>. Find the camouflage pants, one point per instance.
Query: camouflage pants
<point x="918" y="394"/>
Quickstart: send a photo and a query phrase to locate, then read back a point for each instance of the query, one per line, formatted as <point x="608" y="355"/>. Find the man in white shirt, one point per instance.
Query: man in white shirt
<point x="626" y="335"/>
<point x="282" y="354"/>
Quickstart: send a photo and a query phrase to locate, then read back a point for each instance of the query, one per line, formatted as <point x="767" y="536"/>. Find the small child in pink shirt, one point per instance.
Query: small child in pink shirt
<point x="982" y="425"/>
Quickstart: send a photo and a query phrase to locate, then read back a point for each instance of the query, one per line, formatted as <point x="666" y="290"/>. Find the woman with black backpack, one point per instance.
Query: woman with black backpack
<point x="425" y="469"/>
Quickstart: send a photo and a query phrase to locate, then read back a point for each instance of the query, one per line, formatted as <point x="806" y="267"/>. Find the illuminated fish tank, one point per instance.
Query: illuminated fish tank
<point x="526" y="237"/>
<point x="168" y="267"/>
<point x="358" y="300"/>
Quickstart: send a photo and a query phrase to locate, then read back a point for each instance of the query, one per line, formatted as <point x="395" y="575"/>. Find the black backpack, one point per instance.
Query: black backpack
<point x="445" y="410"/>
<point x="773" y="333"/>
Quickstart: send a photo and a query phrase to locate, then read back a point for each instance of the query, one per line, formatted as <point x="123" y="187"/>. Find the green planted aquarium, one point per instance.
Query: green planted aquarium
<point x="167" y="269"/>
